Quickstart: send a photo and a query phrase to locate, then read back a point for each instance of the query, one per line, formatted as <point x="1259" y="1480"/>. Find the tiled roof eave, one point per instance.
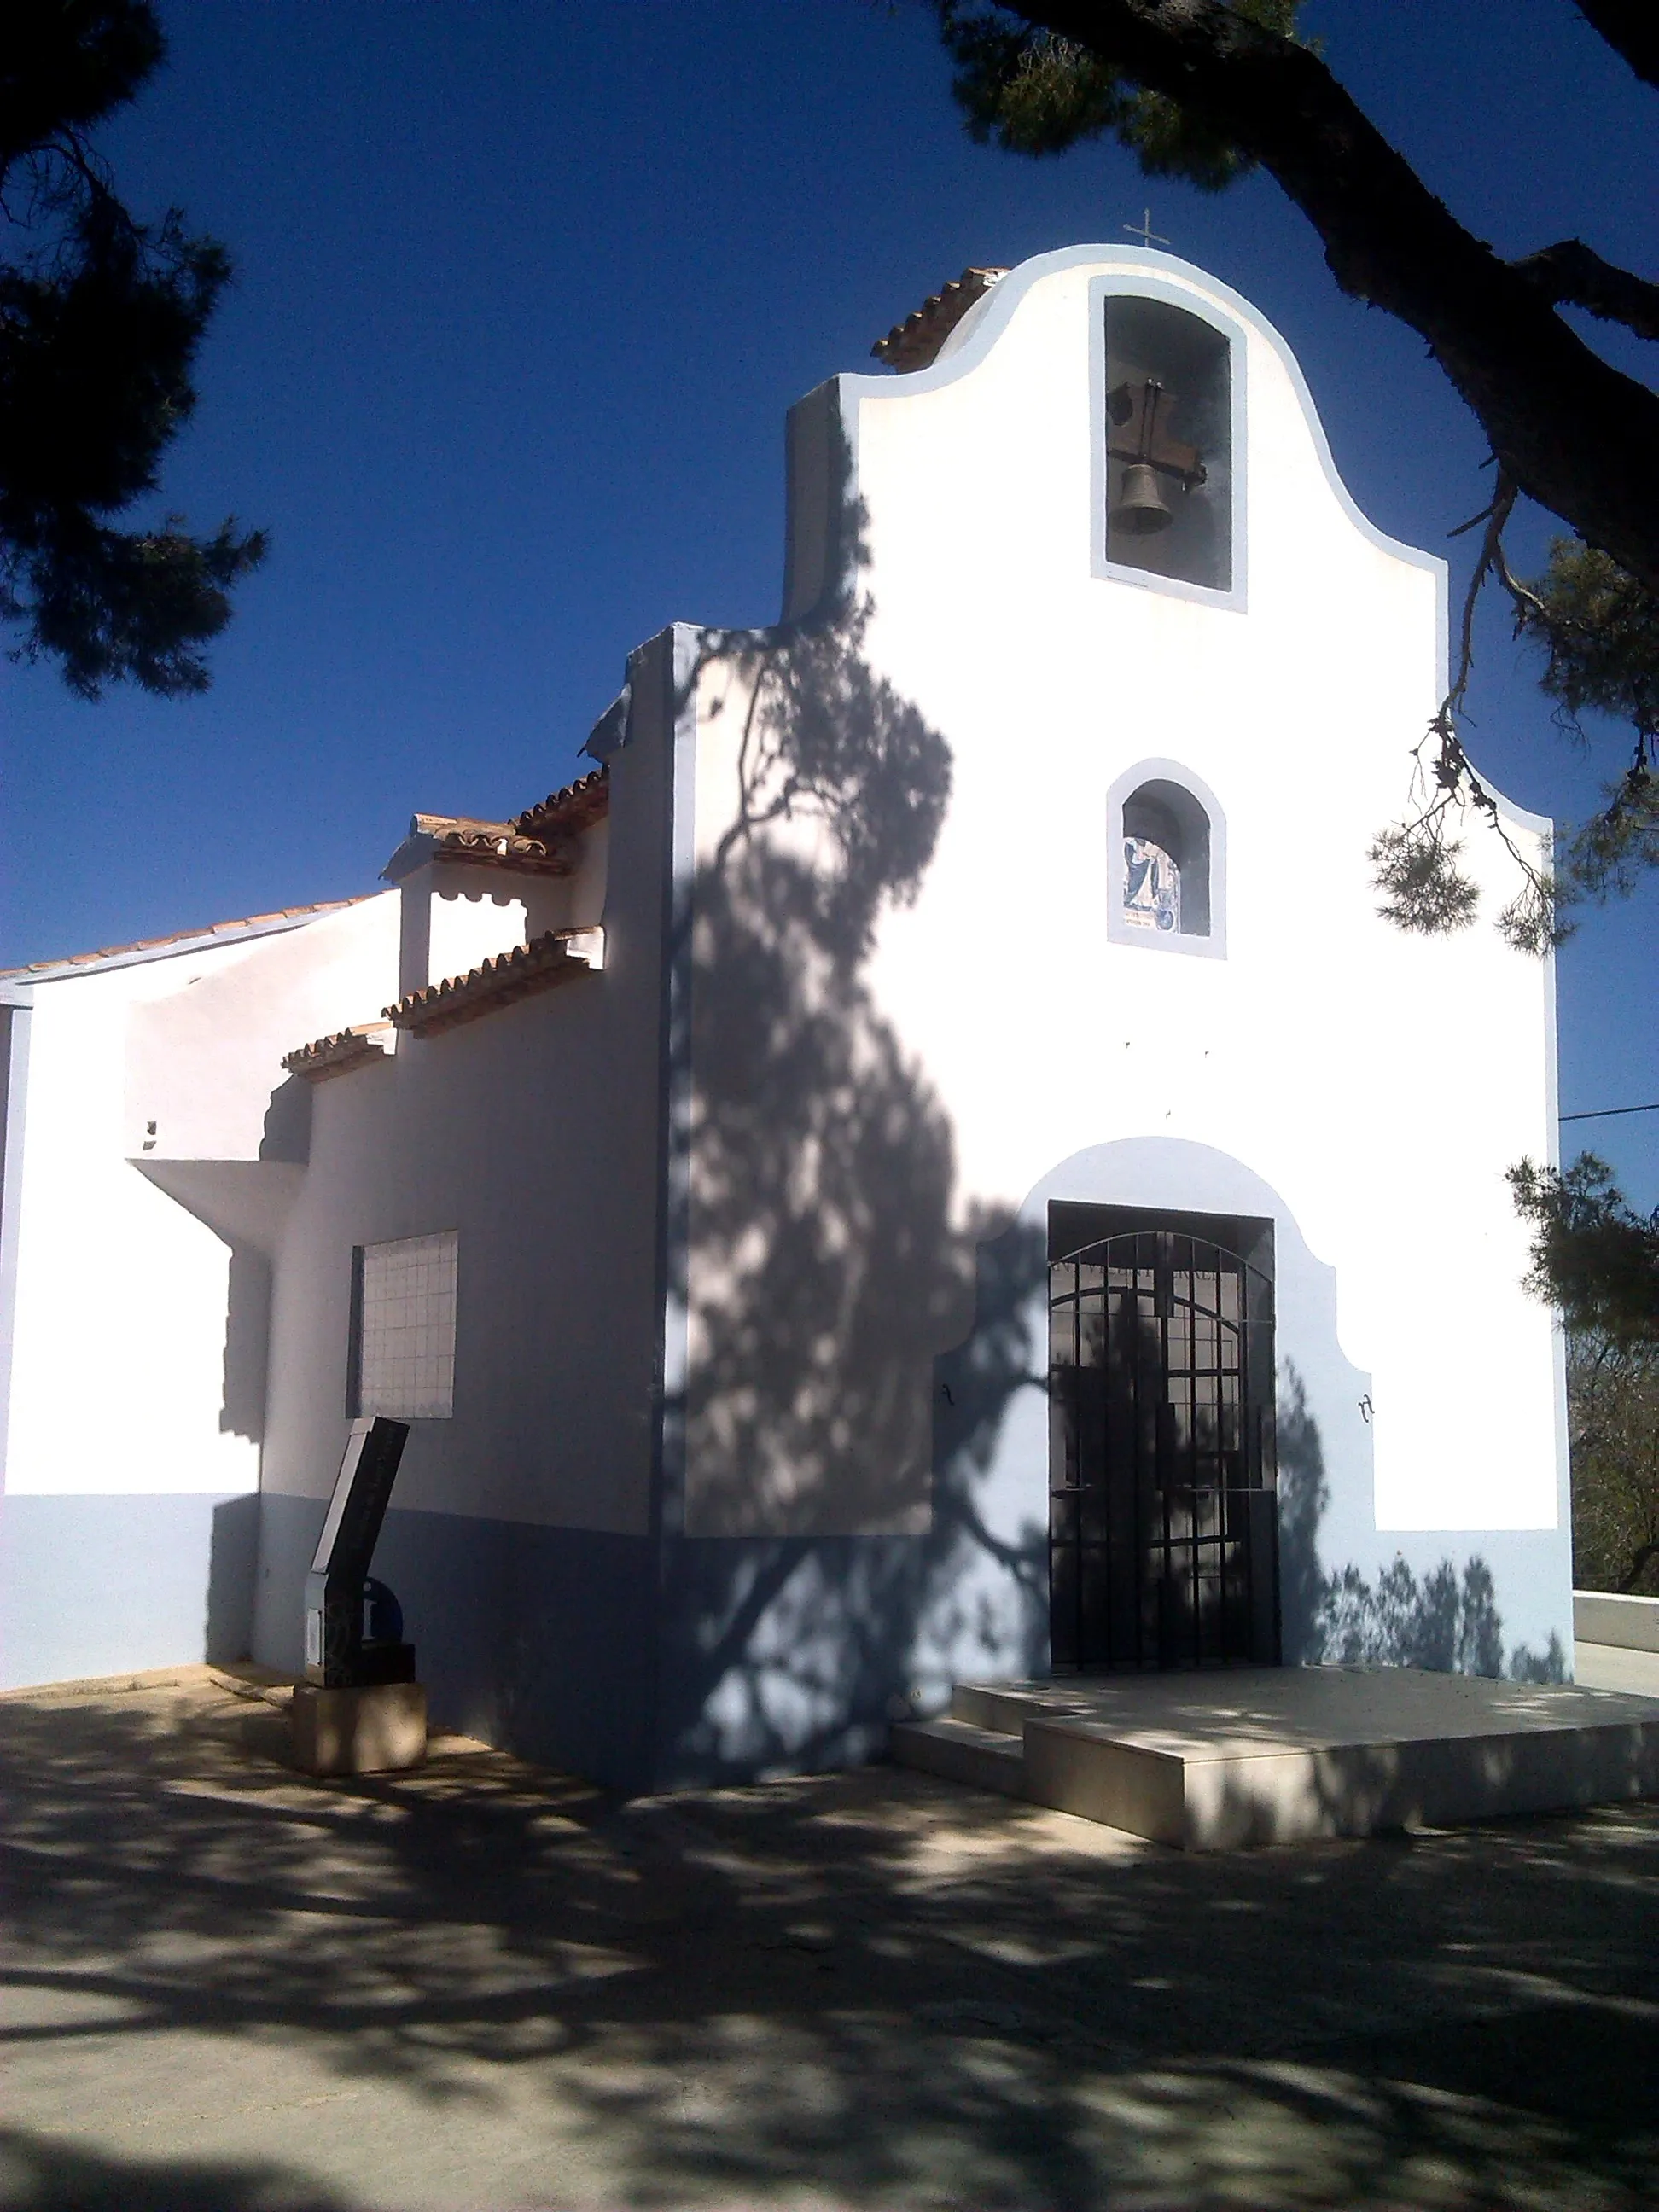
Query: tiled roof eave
<point x="914" y="343"/>
<point x="358" y="1046"/>
<point x="569" y="812"/>
<point x="522" y="856"/>
<point x="542" y="965"/>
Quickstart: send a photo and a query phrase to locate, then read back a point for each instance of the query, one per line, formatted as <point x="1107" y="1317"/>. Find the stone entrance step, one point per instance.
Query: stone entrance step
<point x="956" y="1750"/>
<point x="1259" y="1755"/>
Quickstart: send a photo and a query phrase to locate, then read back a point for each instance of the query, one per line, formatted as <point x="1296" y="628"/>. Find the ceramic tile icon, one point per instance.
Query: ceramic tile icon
<point x="406" y="1362"/>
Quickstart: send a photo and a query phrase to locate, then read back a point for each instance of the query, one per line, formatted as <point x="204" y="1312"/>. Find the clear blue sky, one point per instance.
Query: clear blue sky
<point x="525" y="289"/>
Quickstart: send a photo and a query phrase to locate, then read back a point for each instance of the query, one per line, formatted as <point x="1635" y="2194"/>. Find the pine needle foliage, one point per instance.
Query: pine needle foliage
<point x="1028" y="90"/>
<point x="1613" y="1417"/>
<point x="101" y="317"/>
<point x="1592" y="1256"/>
<point x="1599" y="631"/>
<point x="1423" y="890"/>
<point x="1597" y="627"/>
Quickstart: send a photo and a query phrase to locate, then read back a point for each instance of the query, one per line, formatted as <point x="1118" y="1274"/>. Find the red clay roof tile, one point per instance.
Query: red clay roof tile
<point x="914" y="343"/>
<point x="541" y="965"/>
<point x="357" y="1047"/>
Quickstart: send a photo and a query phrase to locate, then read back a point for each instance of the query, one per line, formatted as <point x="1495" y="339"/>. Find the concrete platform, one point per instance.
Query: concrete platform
<point x="1616" y="1667"/>
<point x="1263" y="1755"/>
<point x="1605" y="1617"/>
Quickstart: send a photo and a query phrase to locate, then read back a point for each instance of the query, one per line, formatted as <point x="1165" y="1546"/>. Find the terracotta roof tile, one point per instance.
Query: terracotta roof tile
<point x="914" y="343"/>
<point x="576" y="808"/>
<point x="538" y="841"/>
<point x="357" y="1047"/>
<point x="541" y="965"/>
<point x="490" y="845"/>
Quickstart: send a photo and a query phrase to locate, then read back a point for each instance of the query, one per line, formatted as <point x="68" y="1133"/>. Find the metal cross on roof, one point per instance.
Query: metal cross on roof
<point x="1143" y="230"/>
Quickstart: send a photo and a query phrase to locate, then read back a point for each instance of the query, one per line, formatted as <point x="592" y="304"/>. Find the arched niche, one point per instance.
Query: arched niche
<point x="1167" y="861"/>
<point x="1169" y="433"/>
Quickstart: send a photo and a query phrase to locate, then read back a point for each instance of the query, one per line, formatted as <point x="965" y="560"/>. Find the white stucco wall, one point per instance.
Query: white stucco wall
<point x="119" y="1351"/>
<point x="1379" y="1083"/>
<point x="454" y="914"/>
<point x="204" y="1058"/>
<point x="118" y="1383"/>
<point x="533" y="1132"/>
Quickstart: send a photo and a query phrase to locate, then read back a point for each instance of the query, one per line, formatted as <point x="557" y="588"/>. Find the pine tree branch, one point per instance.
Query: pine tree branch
<point x="1573" y="274"/>
<point x="68" y="66"/>
<point x="1571" y="431"/>
<point x="1630" y="28"/>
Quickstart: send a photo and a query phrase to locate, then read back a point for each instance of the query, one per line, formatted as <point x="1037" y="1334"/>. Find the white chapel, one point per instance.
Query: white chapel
<point x="924" y="1162"/>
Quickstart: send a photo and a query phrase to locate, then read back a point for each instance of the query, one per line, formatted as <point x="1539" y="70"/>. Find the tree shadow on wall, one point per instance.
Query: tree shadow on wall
<point x="1303" y="1496"/>
<point x="978" y="1384"/>
<point x="800" y="1650"/>
<point x="820" y="1166"/>
<point x="1442" y="1619"/>
<point x="825" y="1266"/>
<point x="828" y="1255"/>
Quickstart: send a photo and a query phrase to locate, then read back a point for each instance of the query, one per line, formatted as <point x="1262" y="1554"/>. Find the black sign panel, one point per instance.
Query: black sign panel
<point x="335" y="1654"/>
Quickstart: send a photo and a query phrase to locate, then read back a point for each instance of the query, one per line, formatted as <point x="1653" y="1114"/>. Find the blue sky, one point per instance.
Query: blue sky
<point x="524" y="287"/>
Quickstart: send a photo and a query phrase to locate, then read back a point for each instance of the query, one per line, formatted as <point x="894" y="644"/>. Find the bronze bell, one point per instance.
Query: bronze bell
<point x="1141" y="508"/>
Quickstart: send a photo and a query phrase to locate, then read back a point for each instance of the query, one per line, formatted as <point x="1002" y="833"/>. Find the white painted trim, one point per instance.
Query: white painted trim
<point x="139" y="956"/>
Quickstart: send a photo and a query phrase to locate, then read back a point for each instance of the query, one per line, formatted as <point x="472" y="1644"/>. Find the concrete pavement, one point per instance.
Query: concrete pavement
<point x="485" y="1986"/>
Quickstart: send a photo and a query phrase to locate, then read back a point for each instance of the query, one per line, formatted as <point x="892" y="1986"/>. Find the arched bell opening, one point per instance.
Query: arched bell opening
<point x="1168" y="442"/>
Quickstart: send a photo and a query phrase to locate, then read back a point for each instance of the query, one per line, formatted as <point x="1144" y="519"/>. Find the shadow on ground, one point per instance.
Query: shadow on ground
<point x="483" y="1984"/>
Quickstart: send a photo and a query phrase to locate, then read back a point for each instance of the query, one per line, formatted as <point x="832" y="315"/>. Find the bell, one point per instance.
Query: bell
<point x="1141" y="508"/>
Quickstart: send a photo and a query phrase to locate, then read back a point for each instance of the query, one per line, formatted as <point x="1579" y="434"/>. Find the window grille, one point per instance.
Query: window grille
<point x="404" y="1331"/>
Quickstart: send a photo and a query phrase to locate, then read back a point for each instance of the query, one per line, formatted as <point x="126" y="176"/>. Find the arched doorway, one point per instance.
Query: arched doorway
<point x="1162" y="1510"/>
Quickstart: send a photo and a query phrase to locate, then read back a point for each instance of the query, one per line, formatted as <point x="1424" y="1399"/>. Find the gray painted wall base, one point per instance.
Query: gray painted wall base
<point x="794" y="1653"/>
<point x="722" y="1659"/>
<point x="541" y="1641"/>
<point x="716" y="1660"/>
<point x="110" y="1585"/>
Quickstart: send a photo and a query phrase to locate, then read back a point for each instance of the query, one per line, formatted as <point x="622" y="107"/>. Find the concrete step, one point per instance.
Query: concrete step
<point x="956" y="1751"/>
<point x="1004" y="1707"/>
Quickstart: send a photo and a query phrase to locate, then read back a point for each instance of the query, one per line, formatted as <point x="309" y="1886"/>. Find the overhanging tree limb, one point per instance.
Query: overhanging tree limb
<point x="1572" y="432"/>
<point x="1631" y="28"/>
<point x="1573" y="274"/>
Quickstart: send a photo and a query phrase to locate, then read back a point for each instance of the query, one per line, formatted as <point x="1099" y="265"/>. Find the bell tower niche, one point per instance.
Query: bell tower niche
<point x="1168" y="443"/>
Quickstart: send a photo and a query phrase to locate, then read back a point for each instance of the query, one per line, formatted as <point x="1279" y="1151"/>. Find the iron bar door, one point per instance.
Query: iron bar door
<point x="1162" y="1529"/>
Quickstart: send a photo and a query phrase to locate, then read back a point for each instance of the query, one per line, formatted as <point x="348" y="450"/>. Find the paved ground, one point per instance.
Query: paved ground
<point x="483" y="1985"/>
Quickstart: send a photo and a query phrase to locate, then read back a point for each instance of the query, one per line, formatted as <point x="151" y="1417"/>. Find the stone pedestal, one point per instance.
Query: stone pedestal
<point x="372" y="1731"/>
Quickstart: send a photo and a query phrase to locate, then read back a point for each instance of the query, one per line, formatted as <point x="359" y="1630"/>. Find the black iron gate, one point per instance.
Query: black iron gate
<point x="1163" y="1531"/>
